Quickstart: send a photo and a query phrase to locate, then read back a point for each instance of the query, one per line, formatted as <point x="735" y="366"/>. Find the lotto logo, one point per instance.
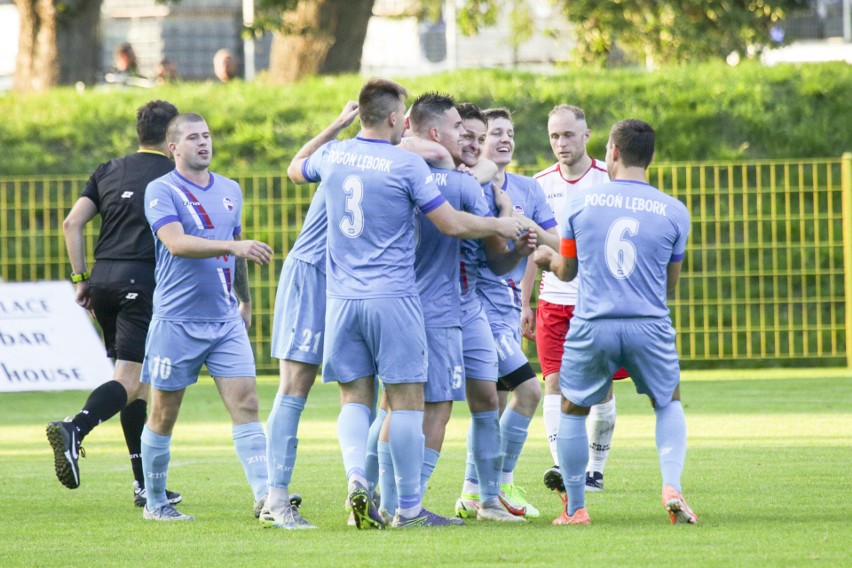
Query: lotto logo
<point x="131" y="296"/>
<point x="127" y="195"/>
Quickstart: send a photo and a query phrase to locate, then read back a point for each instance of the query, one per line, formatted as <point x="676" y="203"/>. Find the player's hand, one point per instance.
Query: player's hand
<point x="464" y="169"/>
<point x="255" y="251"/>
<point x="525" y="244"/>
<point x="526" y="221"/>
<point x="542" y="257"/>
<point x="502" y="201"/>
<point x="528" y="323"/>
<point x="83" y="295"/>
<point x="245" y="313"/>
<point x="509" y="227"/>
<point x="348" y="114"/>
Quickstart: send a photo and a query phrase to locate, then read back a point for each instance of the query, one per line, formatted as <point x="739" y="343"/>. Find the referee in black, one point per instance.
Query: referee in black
<point x="119" y="291"/>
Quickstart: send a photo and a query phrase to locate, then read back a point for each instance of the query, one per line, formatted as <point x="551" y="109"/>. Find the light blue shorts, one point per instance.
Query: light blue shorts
<point x="507" y="339"/>
<point x="299" y="315"/>
<point x="175" y="351"/>
<point x="595" y="349"/>
<point x="375" y="336"/>
<point x="480" y="356"/>
<point x="446" y="365"/>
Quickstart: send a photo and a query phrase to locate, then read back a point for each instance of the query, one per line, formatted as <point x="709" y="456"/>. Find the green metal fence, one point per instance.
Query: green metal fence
<point x="765" y="280"/>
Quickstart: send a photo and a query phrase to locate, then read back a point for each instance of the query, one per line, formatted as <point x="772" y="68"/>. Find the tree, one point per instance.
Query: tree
<point x="314" y="36"/>
<point x="653" y="31"/>
<point x="59" y="43"/>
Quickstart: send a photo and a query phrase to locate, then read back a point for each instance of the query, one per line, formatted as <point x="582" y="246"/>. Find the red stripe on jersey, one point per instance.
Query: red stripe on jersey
<point x="205" y="219"/>
<point x="463" y="277"/>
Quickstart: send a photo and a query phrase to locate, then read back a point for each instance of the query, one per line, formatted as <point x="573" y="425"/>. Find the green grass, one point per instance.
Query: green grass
<point x="768" y="472"/>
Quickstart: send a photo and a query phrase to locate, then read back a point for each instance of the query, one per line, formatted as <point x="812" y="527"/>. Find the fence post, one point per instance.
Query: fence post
<point x="846" y="193"/>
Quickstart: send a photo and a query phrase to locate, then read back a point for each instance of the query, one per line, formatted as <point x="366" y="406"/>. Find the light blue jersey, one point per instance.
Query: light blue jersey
<point x="437" y="258"/>
<point x="195" y="289"/>
<point x="626" y="234"/>
<point x="501" y="295"/>
<point x="473" y="257"/>
<point x="371" y="188"/>
<point x="311" y="242"/>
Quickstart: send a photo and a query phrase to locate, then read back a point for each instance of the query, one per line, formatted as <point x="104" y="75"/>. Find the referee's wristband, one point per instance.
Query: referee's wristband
<point x="79" y="277"/>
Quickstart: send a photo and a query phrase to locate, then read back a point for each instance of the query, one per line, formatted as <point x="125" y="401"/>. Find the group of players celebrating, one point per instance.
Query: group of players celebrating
<point x="410" y="284"/>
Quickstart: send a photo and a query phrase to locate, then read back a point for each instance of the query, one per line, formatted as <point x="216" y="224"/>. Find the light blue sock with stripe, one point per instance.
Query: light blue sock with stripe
<point x="671" y="442"/>
<point x="250" y="443"/>
<point x="155" y="465"/>
<point x="406" y="446"/>
<point x="572" y="446"/>
<point x="514" y="428"/>
<point x="282" y="428"/>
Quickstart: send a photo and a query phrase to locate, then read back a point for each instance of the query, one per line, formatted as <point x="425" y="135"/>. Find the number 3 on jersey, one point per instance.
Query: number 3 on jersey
<point x="620" y="252"/>
<point x="352" y="223"/>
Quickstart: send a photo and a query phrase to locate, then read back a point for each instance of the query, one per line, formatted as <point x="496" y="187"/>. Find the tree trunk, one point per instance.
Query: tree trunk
<point x="345" y="54"/>
<point x="57" y="46"/>
<point x="319" y="36"/>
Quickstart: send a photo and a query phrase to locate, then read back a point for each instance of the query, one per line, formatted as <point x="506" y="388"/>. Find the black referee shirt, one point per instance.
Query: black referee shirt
<point x="118" y="190"/>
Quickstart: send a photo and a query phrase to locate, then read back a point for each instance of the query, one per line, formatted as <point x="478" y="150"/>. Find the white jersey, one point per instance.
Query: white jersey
<point x="556" y="189"/>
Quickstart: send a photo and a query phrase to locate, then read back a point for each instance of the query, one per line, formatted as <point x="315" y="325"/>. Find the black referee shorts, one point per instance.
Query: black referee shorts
<point x="123" y="299"/>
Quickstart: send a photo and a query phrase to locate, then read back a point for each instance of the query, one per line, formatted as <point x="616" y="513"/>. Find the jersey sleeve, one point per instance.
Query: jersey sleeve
<point x="682" y="225"/>
<point x="91" y="189"/>
<point x="542" y="214"/>
<point x="424" y="191"/>
<point x="311" y="166"/>
<point x="160" y="207"/>
<point x="473" y="198"/>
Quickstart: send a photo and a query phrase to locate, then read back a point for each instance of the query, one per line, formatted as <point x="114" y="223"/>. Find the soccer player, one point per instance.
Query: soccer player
<point x="297" y="333"/>
<point x="481" y="488"/>
<point x="119" y="291"/>
<point x="371" y="188"/>
<point x="501" y="298"/>
<point x="435" y="118"/>
<point x="202" y="309"/>
<point x="573" y="170"/>
<point x="626" y="240"/>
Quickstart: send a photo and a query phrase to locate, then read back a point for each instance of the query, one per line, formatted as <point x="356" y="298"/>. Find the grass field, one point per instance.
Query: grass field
<point x="769" y="471"/>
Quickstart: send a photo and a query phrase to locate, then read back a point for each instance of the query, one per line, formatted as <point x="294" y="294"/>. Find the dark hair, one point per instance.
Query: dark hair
<point x="379" y="98"/>
<point x="173" y="134"/>
<point x="470" y="111"/>
<point x="576" y="111"/>
<point x="152" y="121"/>
<point x="635" y="142"/>
<point x="428" y="109"/>
<point x="498" y="112"/>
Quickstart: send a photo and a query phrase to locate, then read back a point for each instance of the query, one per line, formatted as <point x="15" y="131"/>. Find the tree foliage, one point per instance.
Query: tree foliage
<point x="653" y="31"/>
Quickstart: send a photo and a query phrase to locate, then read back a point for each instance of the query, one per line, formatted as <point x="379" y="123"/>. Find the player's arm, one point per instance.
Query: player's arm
<point x="673" y="275"/>
<point x="527" y="314"/>
<point x="501" y="258"/>
<point x="462" y="225"/>
<point x="189" y="246"/>
<point x="346" y="117"/>
<point x="563" y="264"/>
<point x="433" y="153"/>
<point x="484" y="170"/>
<point x="549" y="237"/>
<point x="83" y="211"/>
<point x="241" y="287"/>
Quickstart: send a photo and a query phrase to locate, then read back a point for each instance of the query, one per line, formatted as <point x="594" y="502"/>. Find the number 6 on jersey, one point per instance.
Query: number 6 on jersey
<point x="620" y="252"/>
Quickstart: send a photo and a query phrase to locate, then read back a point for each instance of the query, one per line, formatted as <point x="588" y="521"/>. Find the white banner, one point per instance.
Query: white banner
<point x="47" y="341"/>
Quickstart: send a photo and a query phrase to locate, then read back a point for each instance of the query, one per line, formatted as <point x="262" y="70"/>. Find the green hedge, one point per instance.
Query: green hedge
<point x="700" y="113"/>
